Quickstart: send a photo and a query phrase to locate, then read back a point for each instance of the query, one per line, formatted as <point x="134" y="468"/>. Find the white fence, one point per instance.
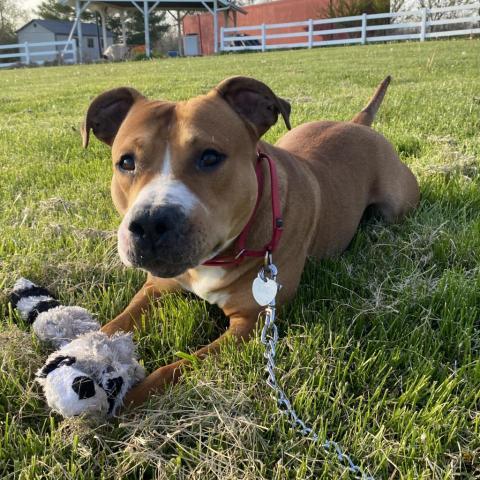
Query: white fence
<point x="411" y="25"/>
<point x="27" y="52"/>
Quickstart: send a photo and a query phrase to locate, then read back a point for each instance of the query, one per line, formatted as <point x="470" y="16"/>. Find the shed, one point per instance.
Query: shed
<point x="37" y="31"/>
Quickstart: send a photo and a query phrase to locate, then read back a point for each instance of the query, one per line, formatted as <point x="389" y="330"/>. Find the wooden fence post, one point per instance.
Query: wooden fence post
<point x="264" y="37"/>
<point x="310" y="33"/>
<point x="222" y="39"/>
<point x="27" y="53"/>
<point x="423" y="27"/>
<point x="364" y="28"/>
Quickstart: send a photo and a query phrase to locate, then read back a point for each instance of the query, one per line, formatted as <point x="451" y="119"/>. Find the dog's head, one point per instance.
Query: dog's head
<point x="184" y="173"/>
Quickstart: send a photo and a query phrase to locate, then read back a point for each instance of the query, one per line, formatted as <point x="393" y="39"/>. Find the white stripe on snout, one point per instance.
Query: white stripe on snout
<point x="165" y="189"/>
<point x="167" y="163"/>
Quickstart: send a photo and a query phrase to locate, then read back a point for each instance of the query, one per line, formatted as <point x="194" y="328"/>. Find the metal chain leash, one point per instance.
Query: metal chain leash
<point x="269" y="338"/>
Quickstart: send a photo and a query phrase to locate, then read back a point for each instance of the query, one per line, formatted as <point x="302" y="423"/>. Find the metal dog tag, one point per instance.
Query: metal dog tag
<point x="264" y="291"/>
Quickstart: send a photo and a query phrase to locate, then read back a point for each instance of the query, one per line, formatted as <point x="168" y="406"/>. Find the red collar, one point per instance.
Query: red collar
<point x="277" y="220"/>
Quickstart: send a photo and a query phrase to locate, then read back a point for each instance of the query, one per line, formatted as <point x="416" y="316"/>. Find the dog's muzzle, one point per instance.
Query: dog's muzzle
<point x="161" y="240"/>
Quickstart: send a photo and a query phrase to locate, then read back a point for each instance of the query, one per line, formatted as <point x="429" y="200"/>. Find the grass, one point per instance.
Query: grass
<point x="379" y="350"/>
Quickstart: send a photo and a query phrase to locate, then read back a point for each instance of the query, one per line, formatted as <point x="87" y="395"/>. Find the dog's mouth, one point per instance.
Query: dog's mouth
<point x="163" y="262"/>
<point x="173" y="265"/>
<point x="163" y="269"/>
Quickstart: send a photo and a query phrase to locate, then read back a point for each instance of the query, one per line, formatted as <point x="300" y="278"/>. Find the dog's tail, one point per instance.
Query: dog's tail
<point x="367" y="115"/>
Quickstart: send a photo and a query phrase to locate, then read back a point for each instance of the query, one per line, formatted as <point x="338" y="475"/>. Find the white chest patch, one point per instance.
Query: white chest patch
<point x="206" y="283"/>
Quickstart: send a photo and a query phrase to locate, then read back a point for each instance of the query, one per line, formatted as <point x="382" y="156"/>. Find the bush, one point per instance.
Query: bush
<point x="351" y="8"/>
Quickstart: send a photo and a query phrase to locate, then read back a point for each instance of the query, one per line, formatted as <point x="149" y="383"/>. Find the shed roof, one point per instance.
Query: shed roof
<point x="60" y="27"/>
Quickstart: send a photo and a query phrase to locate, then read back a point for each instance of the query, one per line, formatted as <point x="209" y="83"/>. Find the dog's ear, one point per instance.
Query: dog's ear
<point x="254" y="102"/>
<point x="107" y="112"/>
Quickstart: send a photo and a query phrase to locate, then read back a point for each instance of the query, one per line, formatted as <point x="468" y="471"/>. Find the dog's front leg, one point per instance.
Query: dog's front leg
<point x="241" y="327"/>
<point x="130" y="318"/>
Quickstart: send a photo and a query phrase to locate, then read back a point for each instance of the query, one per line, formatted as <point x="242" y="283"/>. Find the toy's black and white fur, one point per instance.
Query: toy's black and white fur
<point x="91" y="372"/>
<point x="52" y="323"/>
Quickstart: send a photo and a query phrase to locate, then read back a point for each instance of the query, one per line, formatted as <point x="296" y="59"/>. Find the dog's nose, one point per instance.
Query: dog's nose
<point x="150" y="228"/>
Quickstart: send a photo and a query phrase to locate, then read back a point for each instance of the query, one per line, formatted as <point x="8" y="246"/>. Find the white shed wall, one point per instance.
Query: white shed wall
<point x="37" y="34"/>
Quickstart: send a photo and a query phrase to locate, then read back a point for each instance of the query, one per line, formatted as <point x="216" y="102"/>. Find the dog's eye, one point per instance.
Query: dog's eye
<point x="127" y="163"/>
<point x="210" y="159"/>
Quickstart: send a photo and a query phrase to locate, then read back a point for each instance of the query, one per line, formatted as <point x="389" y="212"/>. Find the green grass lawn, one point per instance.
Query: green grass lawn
<point x="380" y="349"/>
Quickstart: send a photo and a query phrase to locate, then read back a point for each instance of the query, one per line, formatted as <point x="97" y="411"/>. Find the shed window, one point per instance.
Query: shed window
<point x="90" y="43"/>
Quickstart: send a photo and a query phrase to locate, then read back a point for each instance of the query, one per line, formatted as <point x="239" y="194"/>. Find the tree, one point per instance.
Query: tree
<point x="52" y="10"/>
<point x="443" y="15"/>
<point x="136" y="28"/>
<point x="351" y="8"/>
<point x="11" y="15"/>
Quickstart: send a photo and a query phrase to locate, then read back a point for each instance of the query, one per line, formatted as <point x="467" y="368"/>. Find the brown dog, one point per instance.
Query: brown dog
<point x="185" y="182"/>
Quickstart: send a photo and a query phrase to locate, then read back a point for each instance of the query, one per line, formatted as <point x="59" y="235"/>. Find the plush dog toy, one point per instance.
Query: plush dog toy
<point x="91" y="372"/>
